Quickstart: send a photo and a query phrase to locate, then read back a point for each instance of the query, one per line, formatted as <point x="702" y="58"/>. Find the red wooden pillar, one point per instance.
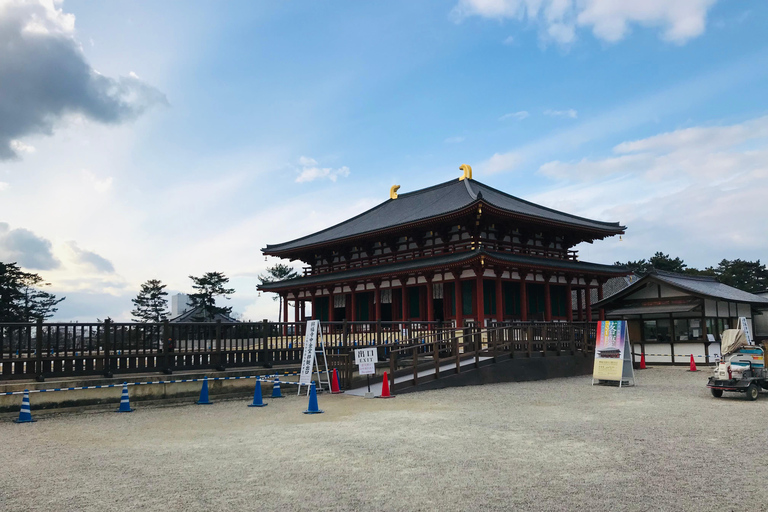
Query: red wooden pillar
<point x="353" y="313"/>
<point x="599" y="298"/>
<point x="499" y="298"/>
<point x="457" y="295"/>
<point x="569" y="301"/>
<point x="330" y="305"/>
<point x="547" y="299"/>
<point x="430" y="301"/>
<point x="479" y="302"/>
<point x="377" y="299"/>
<point x="588" y="302"/>
<point x="523" y="297"/>
<point x="296" y="309"/>
<point x="579" y="305"/>
<point x="404" y="304"/>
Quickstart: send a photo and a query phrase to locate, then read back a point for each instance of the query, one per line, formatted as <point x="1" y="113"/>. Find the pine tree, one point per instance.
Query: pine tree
<point x="279" y="272"/>
<point x="151" y="304"/>
<point x="21" y="300"/>
<point x="207" y="288"/>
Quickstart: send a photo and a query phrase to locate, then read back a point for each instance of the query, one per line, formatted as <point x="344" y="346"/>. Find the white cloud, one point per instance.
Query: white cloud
<point x="310" y="171"/>
<point x="20" y="147"/>
<point x="501" y="162"/>
<point x="509" y="40"/>
<point x="609" y="20"/>
<point x="3" y="186"/>
<point x="514" y="115"/>
<point x="454" y="140"/>
<point x="569" y="113"/>
<point x="697" y="193"/>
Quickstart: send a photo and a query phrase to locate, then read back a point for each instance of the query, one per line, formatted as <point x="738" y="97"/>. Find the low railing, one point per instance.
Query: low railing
<point x="47" y="350"/>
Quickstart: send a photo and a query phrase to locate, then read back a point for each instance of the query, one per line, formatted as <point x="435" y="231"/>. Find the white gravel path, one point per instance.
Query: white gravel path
<point x="551" y="445"/>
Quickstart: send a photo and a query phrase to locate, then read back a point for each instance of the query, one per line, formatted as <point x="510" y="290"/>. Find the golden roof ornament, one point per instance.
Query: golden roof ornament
<point x="393" y="191"/>
<point x="467" y="172"/>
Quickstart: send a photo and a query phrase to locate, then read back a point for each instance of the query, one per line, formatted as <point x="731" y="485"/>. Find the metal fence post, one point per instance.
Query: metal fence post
<point x="39" y="351"/>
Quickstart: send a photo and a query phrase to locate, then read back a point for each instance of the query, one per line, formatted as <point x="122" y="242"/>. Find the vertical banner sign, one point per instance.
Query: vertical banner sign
<point x="610" y="350"/>
<point x="366" y="359"/>
<point x="308" y="359"/>
<point x="744" y="326"/>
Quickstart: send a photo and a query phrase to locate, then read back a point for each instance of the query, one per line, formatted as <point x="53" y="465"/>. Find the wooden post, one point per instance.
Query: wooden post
<point x="436" y="357"/>
<point x="430" y="301"/>
<point x="600" y="297"/>
<point x="479" y="300"/>
<point x="314" y="303"/>
<point x="457" y="296"/>
<point x="415" y="356"/>
<point x="404" y="301"/>
<point x="353" y="313"/>
<point x="569" y="301"/>
<point x="579" y="305"/>
<point x="107" y="355"/>
<point x="330" y="303"/>
<point x="377" y="299"/>
<point x="547" y="299"/>
<point x="266" y="354"/>
<point x="523" y="297"/>
<point x="704" y="332"/>
<point x="296" y="313"/>
<point x="588" y="302"/>
<point x="499" y="299"/>
<point x="39" y="351"/>
<point x="285" y="315"/>
<point x="456" y="354"/>
<point x="529" y="337"/>
<point x="572" y="338"/>
<point x="165" y="346"/>
<point x="219" y="348"/>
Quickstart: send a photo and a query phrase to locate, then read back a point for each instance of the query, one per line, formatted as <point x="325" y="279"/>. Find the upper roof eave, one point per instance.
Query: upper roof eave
<point x="464" y="200"/>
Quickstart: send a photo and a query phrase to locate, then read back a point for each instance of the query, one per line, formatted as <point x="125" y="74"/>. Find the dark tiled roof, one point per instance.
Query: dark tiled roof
<point x="442" y="261"/>
<point x="196" y="315"/>
<point x="706" y="286"/>
<point x="438" y="200"/>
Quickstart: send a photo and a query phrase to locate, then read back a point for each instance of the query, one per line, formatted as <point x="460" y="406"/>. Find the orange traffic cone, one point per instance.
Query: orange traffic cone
<point x="642" y="361"/>
<point x="693" y="365"/>
<point x="385" y="388"/>
<point x="335" y="383"/>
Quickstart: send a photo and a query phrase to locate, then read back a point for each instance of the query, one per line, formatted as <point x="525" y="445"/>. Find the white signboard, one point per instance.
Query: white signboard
<point x="745" y="327"/>
<point x="308" y="359"/>
<point x="366" y="359"/>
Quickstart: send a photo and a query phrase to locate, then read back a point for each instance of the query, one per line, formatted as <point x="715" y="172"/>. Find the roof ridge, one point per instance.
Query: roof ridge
<point x="669" y="273"/>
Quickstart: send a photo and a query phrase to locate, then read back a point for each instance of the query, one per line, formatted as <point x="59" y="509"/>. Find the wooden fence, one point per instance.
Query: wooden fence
<point x="48" y="350"/>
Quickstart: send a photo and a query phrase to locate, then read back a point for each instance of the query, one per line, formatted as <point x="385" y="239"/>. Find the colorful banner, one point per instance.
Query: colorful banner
<point x="609" y="350"/>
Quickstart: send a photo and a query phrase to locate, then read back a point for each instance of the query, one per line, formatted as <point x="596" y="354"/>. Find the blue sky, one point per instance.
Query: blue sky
<point x="203" y="131"/>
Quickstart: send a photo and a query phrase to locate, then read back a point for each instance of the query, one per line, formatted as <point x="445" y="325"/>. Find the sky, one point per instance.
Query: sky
<point x="157" y="140"/>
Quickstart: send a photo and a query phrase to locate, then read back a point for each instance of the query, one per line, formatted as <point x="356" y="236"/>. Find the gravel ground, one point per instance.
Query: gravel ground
<point x="552" y="445"/>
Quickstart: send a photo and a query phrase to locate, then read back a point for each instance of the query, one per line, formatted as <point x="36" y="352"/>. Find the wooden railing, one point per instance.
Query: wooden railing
<point x="48" y="350"/>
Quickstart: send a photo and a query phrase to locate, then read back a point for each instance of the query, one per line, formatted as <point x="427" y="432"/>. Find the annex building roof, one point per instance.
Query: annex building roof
<point x="703" y="286"/>
<point x="438" y="201"/>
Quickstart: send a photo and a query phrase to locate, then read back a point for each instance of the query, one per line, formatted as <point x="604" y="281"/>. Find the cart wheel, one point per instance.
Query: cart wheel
<point x="752" y="391"/>
<point x="717" y="393"/>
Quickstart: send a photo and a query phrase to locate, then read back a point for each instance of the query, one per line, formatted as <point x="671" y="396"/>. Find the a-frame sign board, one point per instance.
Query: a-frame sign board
<point x="613" y="354"/>
<point x="313" y="350"/>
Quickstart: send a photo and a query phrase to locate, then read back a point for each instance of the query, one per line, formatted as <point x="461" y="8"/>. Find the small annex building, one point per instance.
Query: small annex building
<point x="459" y="252"/>
<point x="671" y="316"/>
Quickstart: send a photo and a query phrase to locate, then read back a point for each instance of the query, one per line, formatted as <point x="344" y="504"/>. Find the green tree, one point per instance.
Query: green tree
<point x="658" y="261"/>
<point x="151" y="304"/>
<point x="279" y="272"/>
<point x="21" y="299"/>
<point x="750" y="276"/>
<point x="207" y="288"/>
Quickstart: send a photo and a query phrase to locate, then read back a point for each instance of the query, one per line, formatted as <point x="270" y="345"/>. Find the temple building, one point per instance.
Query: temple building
<point x="459" y="252"/>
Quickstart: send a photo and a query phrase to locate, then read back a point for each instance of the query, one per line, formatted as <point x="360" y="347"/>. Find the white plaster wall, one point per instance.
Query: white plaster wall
<point x="710" y="309"/>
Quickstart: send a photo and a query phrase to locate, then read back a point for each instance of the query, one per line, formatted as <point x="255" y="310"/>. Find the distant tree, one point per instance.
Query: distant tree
<point x="750" y="276"/>
<point x="658" y="261"/>
<point x="151" y="304"/>
<point x="207" y="288"/>
<point x="279" y="272"/>
<point x="21" y="299"/>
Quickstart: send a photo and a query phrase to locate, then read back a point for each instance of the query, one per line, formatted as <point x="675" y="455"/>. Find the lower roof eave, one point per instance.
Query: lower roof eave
<point x="445" y="262"/>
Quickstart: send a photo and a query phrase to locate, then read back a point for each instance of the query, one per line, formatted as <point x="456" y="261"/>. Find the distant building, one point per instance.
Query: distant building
<point x="180" y="303"/>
